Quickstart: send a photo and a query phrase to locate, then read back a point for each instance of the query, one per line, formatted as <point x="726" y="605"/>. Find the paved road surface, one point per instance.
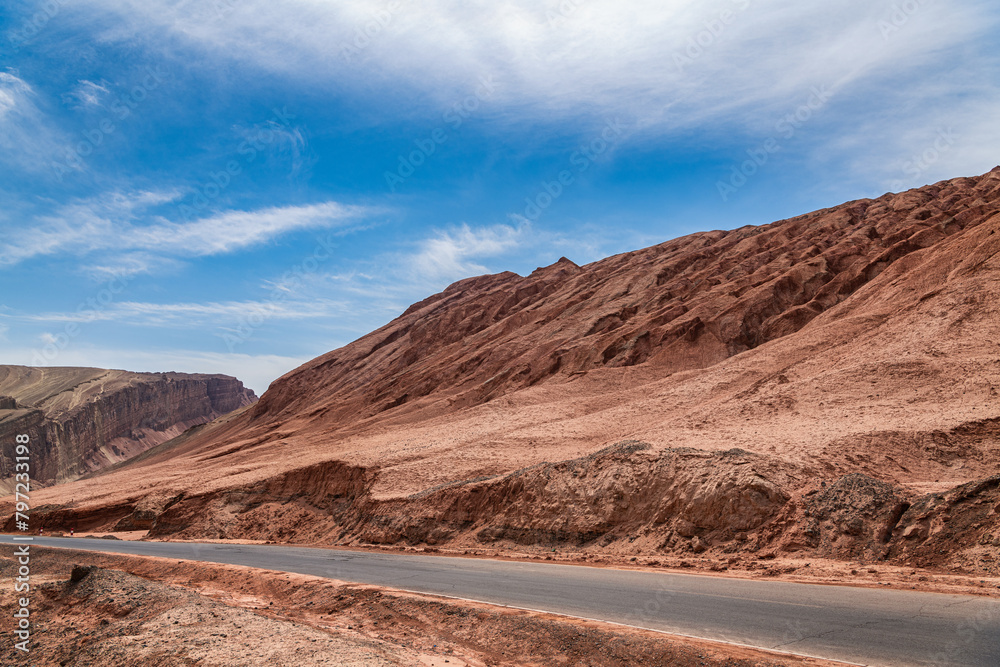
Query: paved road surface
<point x="860" y="625"/>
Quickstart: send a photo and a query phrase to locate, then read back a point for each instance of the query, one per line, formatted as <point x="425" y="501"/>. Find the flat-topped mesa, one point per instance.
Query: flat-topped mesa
<point x="81" y="420"/>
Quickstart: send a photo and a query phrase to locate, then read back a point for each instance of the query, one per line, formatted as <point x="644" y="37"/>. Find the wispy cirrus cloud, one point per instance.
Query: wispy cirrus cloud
<point x="129" y="264"/>
<point x="122" y="223"/>
<point x="27" y="141"/>
<point x="86" y="94"/>
<point x="191" y="314"/>
<point x="666" y="66"/>
<point x="233" y="230"/>
<point x="14" y="93"/>
<point x="557" y="55"/>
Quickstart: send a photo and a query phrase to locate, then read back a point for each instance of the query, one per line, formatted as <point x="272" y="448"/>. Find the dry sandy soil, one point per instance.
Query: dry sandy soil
<point x="824" y="387"/>
<point x="154" y="612"/>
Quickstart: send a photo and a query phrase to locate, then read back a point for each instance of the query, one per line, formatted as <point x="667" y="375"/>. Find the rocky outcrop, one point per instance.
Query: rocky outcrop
<point x="653" y="500"/>
<point x="81" y="420"/>
<point x="963" y="522"/>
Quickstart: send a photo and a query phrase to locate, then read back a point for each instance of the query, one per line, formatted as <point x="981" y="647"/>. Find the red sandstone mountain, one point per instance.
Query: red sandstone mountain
<point x="84" y="419"/>
<point x="826" y="383"/>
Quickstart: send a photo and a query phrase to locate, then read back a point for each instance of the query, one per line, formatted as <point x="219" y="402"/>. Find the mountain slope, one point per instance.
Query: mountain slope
<point x="826" y="383"/>
<point x="83" y="419"/>
<point x="685" y="304"/>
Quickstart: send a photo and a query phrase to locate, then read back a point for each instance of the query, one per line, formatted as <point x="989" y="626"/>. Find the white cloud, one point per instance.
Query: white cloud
<point x="86" y="94"/>
<point x="454" y="254"/>
<point x="111" y="223"/>
<point x="187" y="315"/>
<point x="131" y="264"/>
<point x="13" y="94"/>
<point x="663" y="66"/>
<point x="233" y="230"/>
<point x="559" y="55"/>
<point x="26" y="141"/>
<point x="951" y="140"/>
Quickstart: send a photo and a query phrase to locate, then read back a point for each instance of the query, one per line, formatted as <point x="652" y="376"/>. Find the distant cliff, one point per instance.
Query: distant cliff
<point x="84" y="419"/>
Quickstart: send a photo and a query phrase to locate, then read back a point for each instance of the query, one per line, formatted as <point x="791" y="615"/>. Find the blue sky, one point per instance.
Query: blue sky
<point x="239" y="186"/>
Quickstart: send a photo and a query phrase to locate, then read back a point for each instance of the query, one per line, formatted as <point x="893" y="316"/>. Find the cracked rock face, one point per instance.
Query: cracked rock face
<point x="81" y="420"/>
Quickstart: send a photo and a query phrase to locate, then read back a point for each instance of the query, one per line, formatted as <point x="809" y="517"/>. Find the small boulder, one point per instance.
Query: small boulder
<point x="915" y="531"/>
<point x="685" y="528"/>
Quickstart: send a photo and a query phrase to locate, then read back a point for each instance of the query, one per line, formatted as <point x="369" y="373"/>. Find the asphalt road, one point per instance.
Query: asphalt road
<point x="860" y="625"/>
